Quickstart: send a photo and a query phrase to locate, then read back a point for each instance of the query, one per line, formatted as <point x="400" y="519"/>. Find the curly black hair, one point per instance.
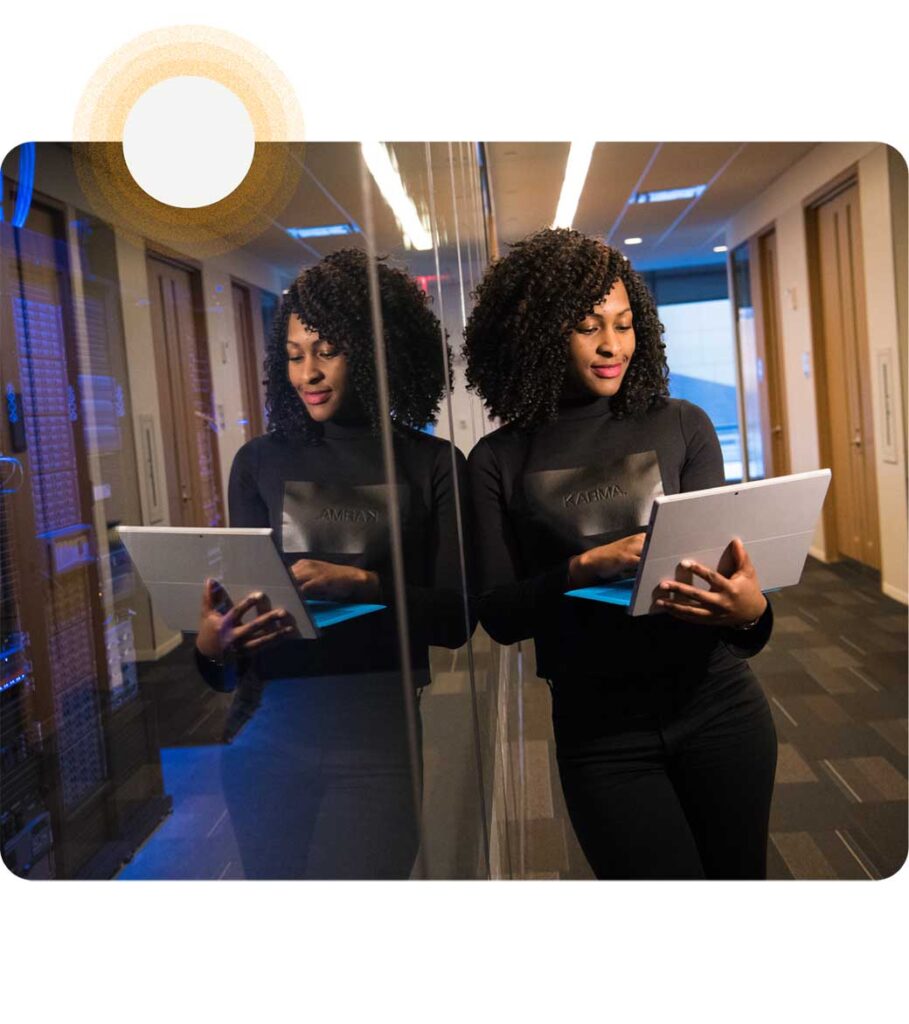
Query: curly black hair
<point x="332" y="298"/>
<point x="528" y="302"/>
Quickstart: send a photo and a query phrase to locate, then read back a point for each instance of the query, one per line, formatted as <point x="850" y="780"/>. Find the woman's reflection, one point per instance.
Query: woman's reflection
<point x="317" y="781"/>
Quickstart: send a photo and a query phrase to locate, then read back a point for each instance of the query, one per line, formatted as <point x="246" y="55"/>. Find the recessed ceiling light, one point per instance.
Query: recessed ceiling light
<point x="720" y="248"/>
<point x="633" y="241"/>
<point x="323" y="231"/>
<point x="668" y="195"/>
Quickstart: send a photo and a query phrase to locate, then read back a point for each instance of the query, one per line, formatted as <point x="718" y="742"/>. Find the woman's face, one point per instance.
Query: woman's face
<point x="601" y="346"/>
<point x="317" y="370"/>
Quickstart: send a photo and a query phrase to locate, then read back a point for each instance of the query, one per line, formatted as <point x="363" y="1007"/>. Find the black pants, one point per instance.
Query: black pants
<point x="668" y="778"/>
<point x="318" y="781"/>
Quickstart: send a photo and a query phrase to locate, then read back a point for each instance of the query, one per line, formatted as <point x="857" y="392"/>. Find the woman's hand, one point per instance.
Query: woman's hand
<point x="221" y="631"/>
<point x="325" y="581"/>
<point x="734" y="597"/>
<point x="607" y="561"/>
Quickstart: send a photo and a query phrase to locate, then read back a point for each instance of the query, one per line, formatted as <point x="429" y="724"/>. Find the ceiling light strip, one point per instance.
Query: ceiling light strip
<point x="382" y="168"/>
<point x="576" y="168"/>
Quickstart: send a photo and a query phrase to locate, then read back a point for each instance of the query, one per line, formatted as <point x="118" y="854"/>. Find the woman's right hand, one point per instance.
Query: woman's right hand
<point x="607" y="561"/>
<point x="222" y="631"/>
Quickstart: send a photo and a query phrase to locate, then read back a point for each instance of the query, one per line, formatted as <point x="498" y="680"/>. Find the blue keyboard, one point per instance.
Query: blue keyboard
<point x="330" y="613"/>
<point x="618" y="593"/>
<point x="610" y="593"/>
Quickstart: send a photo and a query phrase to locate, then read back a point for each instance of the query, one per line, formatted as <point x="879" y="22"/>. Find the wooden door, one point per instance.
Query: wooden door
<point x="844" y="393"/>
<point x="773" y="384"/>
<point x="188" y="422"/>
<point x="250" y="363"/>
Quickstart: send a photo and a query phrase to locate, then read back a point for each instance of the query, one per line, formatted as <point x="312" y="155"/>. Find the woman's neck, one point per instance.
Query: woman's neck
<point x="574" y="403"/>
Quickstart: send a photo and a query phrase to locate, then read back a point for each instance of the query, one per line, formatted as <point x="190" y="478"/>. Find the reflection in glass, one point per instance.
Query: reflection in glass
<point x="126" y="762"/>
<point x="325" y="754"/>
<point x="454" y="803"/>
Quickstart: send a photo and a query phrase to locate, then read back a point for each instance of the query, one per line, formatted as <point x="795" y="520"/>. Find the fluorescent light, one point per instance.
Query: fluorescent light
<point x="323" y="231"/>
<point x="382" y="167"/>
<point x="633" y="241"/>
<point x="575" y="175"/>
<point x="668" y="195"/>
<point x="720" y="248"/>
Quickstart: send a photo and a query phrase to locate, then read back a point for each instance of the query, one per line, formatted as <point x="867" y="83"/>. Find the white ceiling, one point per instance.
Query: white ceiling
<point x="526" y="179"/>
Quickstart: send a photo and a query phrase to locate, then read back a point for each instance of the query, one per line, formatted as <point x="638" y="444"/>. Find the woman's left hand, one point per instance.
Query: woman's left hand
<point x="734" y="598"/>
<point x="325" y="581"/>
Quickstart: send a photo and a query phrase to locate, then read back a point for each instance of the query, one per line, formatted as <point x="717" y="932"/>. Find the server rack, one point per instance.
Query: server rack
<point x="78" y="720"/>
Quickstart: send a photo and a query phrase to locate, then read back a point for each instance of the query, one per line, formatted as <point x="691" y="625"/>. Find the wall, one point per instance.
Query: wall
<point x="782" y="206"/>
<point x="883" y="338"/>
<point x="899" y="208"/>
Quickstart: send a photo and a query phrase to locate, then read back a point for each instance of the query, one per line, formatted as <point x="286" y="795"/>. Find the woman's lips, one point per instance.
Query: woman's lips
<point x="316" y="397"/>
<point x="607" y="372"/>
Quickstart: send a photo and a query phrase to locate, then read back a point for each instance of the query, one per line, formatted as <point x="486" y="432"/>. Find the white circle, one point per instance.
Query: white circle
<point x="188" y="141"/>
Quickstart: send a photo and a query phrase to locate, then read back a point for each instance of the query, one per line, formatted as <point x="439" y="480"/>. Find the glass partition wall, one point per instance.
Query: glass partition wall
<point x="444" y="251"/>
<point x="136" y="371"/>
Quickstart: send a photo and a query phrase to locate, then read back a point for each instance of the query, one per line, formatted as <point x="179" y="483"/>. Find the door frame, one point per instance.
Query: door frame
<point x="811" y="206"/>
<point x="250" y="363"/>
<point x="193" y="268"/>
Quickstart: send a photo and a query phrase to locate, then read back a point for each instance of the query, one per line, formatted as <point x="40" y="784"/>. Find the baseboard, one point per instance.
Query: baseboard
<point x="149" y="654"/>
<point x="895" y="593"/>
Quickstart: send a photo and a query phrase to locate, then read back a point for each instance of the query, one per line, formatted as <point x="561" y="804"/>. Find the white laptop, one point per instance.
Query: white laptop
<point x="174" y="563"/>
<point x="774" y="518"/>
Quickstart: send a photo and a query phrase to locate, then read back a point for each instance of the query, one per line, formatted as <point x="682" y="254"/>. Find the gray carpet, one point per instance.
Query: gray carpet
<point x="835" y="673"/>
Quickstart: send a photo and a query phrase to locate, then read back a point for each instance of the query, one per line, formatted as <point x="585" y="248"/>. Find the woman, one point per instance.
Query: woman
<point x="665" y="742"/>
<point x="317" y="782"/>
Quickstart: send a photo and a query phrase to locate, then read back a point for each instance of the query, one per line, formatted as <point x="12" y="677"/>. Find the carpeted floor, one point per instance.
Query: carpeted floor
<point x="835" y="673"/>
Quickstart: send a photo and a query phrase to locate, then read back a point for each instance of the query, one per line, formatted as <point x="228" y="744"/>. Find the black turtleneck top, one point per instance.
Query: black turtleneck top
<point x="540" y="497"/>
<point x="329" y="501"/>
